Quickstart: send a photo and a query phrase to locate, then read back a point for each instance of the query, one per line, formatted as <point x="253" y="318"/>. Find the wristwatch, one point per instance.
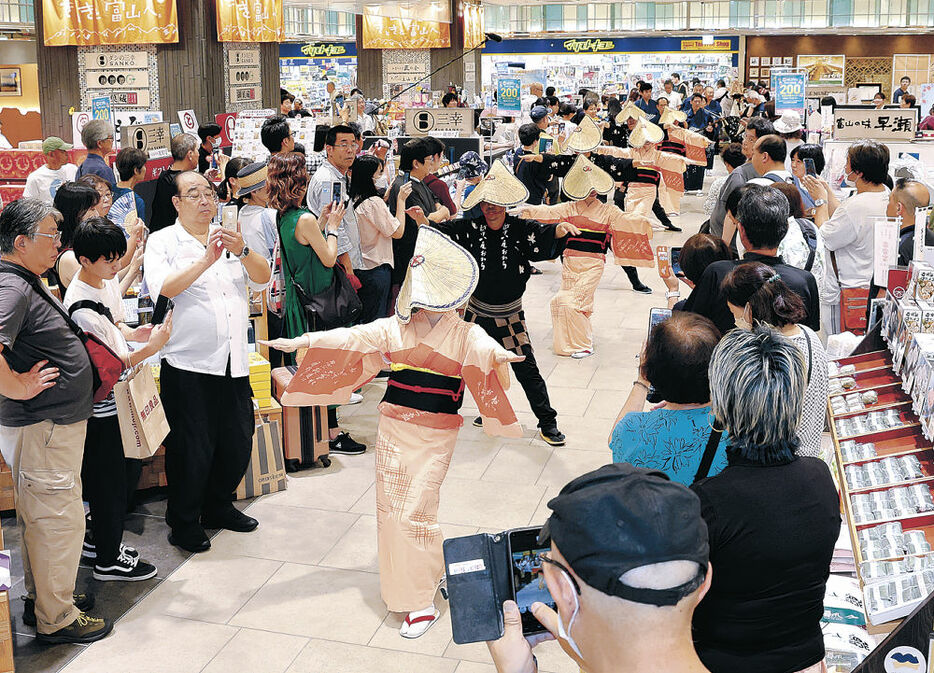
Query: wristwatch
<point x="669" y="295"/>
<point x="820" y="202"/>
<point x="244" y="253"/>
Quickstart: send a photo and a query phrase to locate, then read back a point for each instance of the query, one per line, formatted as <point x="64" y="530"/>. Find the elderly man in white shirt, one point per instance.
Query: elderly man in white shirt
<point x="205" y="380"/>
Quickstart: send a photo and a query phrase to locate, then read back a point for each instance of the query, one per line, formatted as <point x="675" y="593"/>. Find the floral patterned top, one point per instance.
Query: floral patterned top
<point x="670" y="440"/>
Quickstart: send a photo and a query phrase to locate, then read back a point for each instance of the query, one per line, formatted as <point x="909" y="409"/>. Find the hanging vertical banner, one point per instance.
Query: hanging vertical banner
<point x="473" y="26"/>
<point x="380" y="32"/>
<point x="250" y="21"/>
<point x="789" y="90"/>
<point x="95" y="22"/>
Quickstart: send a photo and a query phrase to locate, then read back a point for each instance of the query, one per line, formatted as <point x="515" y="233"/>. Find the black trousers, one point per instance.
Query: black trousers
<point x="528" y="376"/>
<point x="274" y="330"/>
<point x="374" y="293"/>
<point x="109" y="480"/>
<point x="694" y="178"/>
<point x="208" y="448"/>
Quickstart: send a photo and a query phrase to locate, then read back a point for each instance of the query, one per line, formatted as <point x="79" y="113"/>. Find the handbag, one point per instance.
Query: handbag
<point x="853" y="303"/>
<point x="143" y="425"/>
<point x="335" y="306"/>
<point x="106" y="366"/>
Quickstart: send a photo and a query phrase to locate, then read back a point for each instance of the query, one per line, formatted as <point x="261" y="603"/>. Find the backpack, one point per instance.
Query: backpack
<point x="809" y="231"/>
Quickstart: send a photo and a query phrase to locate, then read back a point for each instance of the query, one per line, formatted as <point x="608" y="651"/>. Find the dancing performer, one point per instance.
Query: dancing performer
<point x="433" y="355"/>
<point x="601" y="225"/>
<point x="504" y="247"/>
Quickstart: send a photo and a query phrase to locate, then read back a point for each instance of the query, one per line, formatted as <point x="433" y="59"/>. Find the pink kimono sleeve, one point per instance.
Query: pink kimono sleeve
<point x="610" y="150"/>
<point x="338" y="362"/>
<point x="487" y="381"/>
<point x="548" y="214"/>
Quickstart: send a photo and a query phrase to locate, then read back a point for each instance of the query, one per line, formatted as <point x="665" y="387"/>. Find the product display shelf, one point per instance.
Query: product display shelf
<point x="903" y="440"/>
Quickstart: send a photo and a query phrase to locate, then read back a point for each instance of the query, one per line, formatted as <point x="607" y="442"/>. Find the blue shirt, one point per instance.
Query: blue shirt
<point x="94" y="163"/>
<point x="714" y="107"/>
<point x="698" y="120"/>
<point x="138" y="200"/>
<point x="650" y="108"/>
<point x="897" y="95"/>
<point x="669" y="440"/>
<point x="806" y="199"/>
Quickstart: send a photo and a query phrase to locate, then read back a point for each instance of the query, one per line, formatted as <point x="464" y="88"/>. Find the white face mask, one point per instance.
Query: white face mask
<point x="565" y="634"/>
<point x="847" y="180"/>
<point x="217" y="143"/>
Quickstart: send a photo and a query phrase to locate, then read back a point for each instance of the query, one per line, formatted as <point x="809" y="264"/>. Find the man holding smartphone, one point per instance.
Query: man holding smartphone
<point x="205" y="373"/>
<point x="623" y="600"/>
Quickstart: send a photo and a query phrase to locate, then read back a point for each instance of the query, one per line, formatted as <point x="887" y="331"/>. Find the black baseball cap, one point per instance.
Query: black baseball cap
<point x="620" y="517"/>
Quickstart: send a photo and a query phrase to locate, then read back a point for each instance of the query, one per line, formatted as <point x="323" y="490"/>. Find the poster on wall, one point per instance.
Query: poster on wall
<point x="789" y="90"/>
<point x="249" y="21"/>
<point x="823" y="70"/>
<point x="380" y="32"/>
<point x="508" y="100"/>
<point x="11" y="82"/>
<point x="95" y="22"/>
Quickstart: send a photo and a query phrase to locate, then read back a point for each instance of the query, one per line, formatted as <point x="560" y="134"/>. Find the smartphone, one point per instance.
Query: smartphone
<point x="545" y="145"/>
<point x="229" y="217"/>
<point x="528" y="578"/>
<point x="809" y="167"/>
<point x="656" y="316"/>
<point x="676" y="262"/>
<point x="336" y="193"/>
<point x="163" y="306"/>
<point x="560" y="127"/>
<point x="661" y="256"/>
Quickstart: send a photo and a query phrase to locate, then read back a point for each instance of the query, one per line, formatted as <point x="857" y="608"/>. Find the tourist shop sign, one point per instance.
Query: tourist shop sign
<point x="589" y="46"/>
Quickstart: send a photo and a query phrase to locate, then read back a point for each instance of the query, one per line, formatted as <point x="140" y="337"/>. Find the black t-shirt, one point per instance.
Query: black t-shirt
<point x="708" y="300"/>
<point x="163" y="210"/>
<point x="403" y="248"/>
<point x="772" y="531"/>
<point x="534" y="176"/>
<point x="906" y="244"/>
<point x="204" y="162"/>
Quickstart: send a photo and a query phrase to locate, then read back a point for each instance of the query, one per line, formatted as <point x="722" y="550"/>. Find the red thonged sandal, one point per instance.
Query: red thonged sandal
<point x="413" y="627"/>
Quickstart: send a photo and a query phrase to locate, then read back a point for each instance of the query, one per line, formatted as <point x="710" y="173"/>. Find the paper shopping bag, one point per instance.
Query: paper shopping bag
<point x="266" y="472"/>
<point x="143" y="425"/>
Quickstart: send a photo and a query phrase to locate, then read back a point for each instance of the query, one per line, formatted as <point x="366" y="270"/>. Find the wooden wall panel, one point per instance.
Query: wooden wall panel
<point x="454" y="73"/>
<point x="269" y="72"/>
<point x="58" y="83"/>
<point x="191" y="72"/>
<point x="851" y="45"/>
<point x="369" y="66"/>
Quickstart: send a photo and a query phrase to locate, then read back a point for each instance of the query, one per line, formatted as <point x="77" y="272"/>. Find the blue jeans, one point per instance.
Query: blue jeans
<point x="374" y="293"/>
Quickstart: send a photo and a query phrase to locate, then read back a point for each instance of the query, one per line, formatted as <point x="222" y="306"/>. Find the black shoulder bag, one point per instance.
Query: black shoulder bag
<point x="336" y="306"/>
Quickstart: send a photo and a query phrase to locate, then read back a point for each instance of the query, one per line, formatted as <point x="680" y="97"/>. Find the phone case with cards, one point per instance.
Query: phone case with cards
<point x="478" y="583"/>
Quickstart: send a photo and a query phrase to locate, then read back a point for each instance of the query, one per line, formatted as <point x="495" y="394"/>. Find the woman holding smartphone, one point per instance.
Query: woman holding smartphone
<point x="309" y="253"/>
<point x="806" y="159"/>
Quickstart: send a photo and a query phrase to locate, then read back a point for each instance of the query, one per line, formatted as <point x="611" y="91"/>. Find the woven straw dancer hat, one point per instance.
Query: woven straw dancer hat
<point x="499" y="187"/>
<point x="584" y="177"/>
<point x="586" y="136"/>
<point x="645" y="132"/>
<point x="441" y="275"/>
<point x="630" y="111"/>
<point x="670" y="116"/>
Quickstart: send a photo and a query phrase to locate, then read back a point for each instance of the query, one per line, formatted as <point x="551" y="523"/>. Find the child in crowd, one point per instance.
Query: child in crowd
<point x="96" y="305"/>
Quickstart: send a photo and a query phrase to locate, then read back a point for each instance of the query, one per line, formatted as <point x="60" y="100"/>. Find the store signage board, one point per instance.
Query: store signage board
<point x="115" y="60"/>
<point x="858" y="123"/>
<point x="118" y="79"/>
<point x="439" y="122"/>
<point x="406" y="69"/>
<point x="508" y="95"/>
<point x="241" y="75"/>
<point x="239" y="57"/>
<point x="789" y="89"/>
<point x="78" y="121"/>
<point x="310" y="50"/>
<point x="155" y="139"/>
<point x="616" y="45"/>
<point x="124" y="118"/>
<point x="245" y="94"/>
<point x="130" y="98"/>
<point x="189" y="121"/>
<point x="100" y="108"/>
<point x="228" y="122"/>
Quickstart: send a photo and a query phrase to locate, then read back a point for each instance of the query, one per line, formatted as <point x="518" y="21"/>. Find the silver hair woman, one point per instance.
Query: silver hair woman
<point x="757" y="383"/>
<point x="770" y="514"/>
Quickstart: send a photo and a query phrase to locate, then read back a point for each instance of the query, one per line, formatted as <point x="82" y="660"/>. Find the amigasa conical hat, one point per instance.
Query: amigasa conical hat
<point x="586" y="136"/>
<point x="499" y="187"/>
<point x="645" y="132"/>
<point x="670" y="116"/>
<point x="584" y="177"/>
<point x="630" y="111"/>
<point x="441" y="275"/>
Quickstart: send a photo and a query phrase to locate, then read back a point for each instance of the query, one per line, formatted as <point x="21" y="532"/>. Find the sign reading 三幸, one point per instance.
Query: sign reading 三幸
<point x="439" y="122"/>
<point x="154" y="139"/>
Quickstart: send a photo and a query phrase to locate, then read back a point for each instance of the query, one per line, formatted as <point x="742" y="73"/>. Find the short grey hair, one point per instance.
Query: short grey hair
<point x="22" y="218"/>
<point x="757" y="385"/>
<point x="182" y="144"/>
<point x="96" y="131"/>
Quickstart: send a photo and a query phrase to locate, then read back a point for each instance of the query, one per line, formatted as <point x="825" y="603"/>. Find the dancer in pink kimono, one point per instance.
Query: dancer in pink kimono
<point x="433" y="355"/>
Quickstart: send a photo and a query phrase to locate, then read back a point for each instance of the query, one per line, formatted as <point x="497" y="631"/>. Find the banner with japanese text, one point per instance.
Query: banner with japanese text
<point x="380" y="32"/>
<point x="95" y="22"/>
<point x="473" y="26"/>
<point x="250" y="21"/>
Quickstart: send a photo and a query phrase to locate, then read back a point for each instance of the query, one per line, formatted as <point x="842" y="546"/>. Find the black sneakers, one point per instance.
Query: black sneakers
<point x="642" y="288"/>
<point x="552" y="436"/>
<point x="347" y="445"/>
<point x="126" y="569"/>
<point x="89" y="549"/>
<point x="85" y="629"/>
<point x="83" y="602"/>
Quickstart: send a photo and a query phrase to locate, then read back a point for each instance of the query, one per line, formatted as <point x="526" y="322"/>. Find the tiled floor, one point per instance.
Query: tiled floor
<point x="301" y="594"/>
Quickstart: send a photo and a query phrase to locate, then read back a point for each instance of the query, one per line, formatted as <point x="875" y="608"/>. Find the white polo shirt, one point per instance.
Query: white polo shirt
<point x="211" y="317"/>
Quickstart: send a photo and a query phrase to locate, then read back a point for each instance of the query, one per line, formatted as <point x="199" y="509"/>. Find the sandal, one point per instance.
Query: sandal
<point x="414" y="627"/>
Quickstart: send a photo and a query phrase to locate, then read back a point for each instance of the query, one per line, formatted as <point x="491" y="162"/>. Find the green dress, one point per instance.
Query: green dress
<point x="301" y="263"/>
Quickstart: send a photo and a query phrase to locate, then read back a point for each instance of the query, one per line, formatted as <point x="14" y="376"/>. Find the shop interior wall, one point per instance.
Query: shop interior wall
<point x="454" y="73"/>
<point x="20" y="114"/>
<point x="58" y="72"/>
<point x="369" y="65"/>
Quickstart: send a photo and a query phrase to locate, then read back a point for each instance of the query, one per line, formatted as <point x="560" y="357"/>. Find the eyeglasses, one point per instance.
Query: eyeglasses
<point x="345" y="145"/>
<point x="547" y="559"/>
<point x="194" y="198"/>
<point x="57" y="236"/>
